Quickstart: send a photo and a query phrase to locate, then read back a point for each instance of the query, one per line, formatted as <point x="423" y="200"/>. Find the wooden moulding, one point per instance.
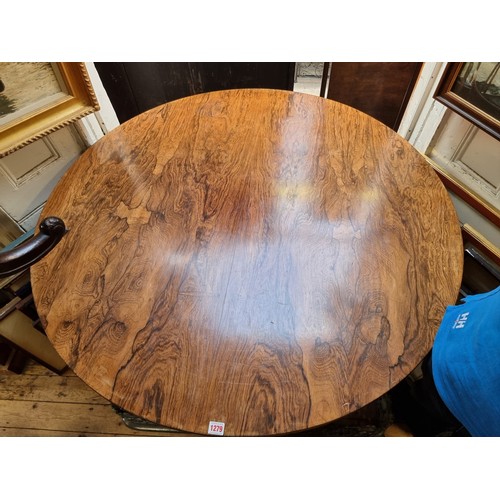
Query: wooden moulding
<point x="445" y="95"/>
<point x="483" y="207"/>
<point x="77" y="100"/>
<point x="470" y="235"/>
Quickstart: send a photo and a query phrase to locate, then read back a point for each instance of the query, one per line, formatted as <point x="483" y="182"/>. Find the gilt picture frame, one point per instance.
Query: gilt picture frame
<point x="39" y="98"/>
<point x="473" y="91"/>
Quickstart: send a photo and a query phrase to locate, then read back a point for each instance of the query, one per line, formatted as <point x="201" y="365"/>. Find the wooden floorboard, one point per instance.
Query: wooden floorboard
<point x="20" y="432"/>
<point x="73" y="417"/>
<point x="39" y="402"/>
<point x="46" y="388"/>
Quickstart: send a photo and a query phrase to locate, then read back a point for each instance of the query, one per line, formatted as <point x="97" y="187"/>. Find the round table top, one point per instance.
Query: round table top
<point x="251" y="262"/>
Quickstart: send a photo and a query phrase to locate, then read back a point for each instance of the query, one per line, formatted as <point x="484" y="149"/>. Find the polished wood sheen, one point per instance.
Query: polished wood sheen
<point x="266" y="259"/>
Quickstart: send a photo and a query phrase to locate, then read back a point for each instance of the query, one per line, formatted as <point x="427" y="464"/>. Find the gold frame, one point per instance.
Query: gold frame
<point x="79" y="100"/>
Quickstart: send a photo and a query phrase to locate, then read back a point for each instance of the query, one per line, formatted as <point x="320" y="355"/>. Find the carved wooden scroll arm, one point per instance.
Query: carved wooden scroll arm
<point x="52" y="229"/>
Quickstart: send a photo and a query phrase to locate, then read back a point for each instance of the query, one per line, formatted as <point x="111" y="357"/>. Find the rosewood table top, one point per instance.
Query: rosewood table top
<point x="252" y="262"/>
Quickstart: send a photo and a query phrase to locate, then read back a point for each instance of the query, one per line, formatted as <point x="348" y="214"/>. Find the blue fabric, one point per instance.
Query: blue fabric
<point x="466" y="362"/>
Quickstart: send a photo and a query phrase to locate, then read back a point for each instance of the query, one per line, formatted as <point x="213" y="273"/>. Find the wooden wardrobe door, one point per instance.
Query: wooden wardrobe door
<point x="379" y="89"/>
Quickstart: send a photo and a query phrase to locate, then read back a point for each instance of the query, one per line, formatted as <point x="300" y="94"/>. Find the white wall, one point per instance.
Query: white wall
<point x="94" y="126"/>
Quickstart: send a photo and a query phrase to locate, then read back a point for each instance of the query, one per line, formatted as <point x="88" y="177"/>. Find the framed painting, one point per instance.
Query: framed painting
<point x="472" y="89"/>
<point x="37" y="98"/>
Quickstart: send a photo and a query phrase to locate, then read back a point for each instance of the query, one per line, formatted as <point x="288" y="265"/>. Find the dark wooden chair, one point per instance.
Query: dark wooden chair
<point x="21" y="335"/>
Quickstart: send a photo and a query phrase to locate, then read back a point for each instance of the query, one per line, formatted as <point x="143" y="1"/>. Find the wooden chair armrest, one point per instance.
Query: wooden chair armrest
<point x="52" y="229"/>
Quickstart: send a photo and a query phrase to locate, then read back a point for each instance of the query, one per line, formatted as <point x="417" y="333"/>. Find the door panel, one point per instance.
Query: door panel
<point x="28" y="175"/>
<point x="469" y="155"/>
<point x="136" y="87"/>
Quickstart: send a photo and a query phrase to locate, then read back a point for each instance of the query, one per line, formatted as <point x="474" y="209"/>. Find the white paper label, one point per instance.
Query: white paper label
<point x="216" y="428"/>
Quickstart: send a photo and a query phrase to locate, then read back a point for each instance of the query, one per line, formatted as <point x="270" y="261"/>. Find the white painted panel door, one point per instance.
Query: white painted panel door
<point x="28" y="175"/>
<point x="470" y="155"/>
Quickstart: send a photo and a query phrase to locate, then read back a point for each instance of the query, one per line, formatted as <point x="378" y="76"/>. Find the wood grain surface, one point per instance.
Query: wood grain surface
<point x="266" y="259"/>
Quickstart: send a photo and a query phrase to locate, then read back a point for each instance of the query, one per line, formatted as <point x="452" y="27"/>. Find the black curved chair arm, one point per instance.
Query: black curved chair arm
<point x="52" y="229"/>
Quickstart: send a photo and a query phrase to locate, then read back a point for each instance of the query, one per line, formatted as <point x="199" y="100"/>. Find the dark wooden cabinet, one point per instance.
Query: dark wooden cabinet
<point x="379" y="89"/>
<point x="134" y="87"/>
